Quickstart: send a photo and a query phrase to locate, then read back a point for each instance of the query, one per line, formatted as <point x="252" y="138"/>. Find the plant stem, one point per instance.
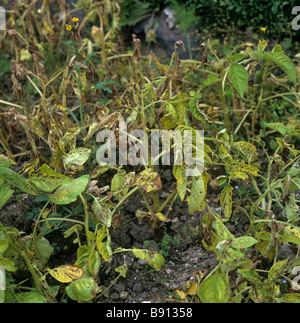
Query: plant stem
<point x="37" y="222"/>
<point x="252" y="221"/>
<point x="63" y="219"/>
<point x="167" y="201"/>
<point x="223" y="101"/>
<point x="86" y="222"/>
<point x="123" y="200"/>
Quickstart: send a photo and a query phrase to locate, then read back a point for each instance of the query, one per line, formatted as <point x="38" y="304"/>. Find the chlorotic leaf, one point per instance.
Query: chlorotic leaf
<point x="250" y="275"/>
<point x="102" y="213"/>
<point x="243" y="242"/>
<point x="5" y="193"/>
<point x="224" y="155"/>
<point x="68" y="193"/>
<point x="83" y="289"/>
<point x="277" y="269"/>
<point x="214" y="289"/>
<point x="66" y="273"/>
<point x="103" y="240"/>
<point x="239" y="175"/>
<point x="19" y="181"/>
<point x="94" y="262"/>
<point x="77" y="157"/>
<point x="122" y="270"/>
<point x="149" y="181"/>
<point x="7" y="264"/>
<point x="32" y="298"/>
<point x="46" y="179"/>
<point x="152" y="258"/>
<point x="4" y="159"/>
<point x="198" y="193"/>
<point x="226" y="200"/>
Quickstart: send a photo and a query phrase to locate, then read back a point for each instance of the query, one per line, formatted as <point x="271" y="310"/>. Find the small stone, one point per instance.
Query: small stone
<point x="123" y="295"/>
<point x="142" y="262"/>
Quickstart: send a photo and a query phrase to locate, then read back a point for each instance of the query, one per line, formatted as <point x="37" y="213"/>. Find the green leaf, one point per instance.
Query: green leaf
<point x="237" y="57"/>
<point x="152" y="258"/>
<point x="290" y="238"/>
<point x="277" y="269"/>
<point x="280" y="127"/>
<point x="31" y="297"/>
<point x="2" y="296"/>
<point x="198" y="192"/>
<point x="239" y="78"/>
<point x="250" y="275"/>
<point x="73" y="229"/>
<point x="83" y="289"/>
<point x="117" y="180"/>
<point x="211" y="79"/>
<point x="46" y="179"/>
<point x="226" y="201"/>
<point x="5" y="193"/>
<point x="7" y="264"/>
<point x="243" y="242"/>
<point x="283" y="62"/>
<point x="214" y="289"/>
<point x="103" y="240"/>
<point x="179" y="174"/>
<point x="68" y="193"/>
<point x="77" y="157"/>
<point x="19" y="181"/>
<point x="3" y="245"/>
<point x="289" y="298"/>
<point x="43" y="252"/>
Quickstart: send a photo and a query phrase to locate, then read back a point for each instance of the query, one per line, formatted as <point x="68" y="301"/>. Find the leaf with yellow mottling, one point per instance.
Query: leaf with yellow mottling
<point x="66" y="273"/>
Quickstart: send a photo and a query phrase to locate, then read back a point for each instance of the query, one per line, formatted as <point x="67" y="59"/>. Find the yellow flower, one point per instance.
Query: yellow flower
<point x="75" y="19"/>
<point x="264" y="30"/>
<point x="69" y="27"/>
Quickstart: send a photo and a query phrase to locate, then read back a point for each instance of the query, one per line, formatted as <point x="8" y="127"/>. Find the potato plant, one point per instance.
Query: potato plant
<point x="72" y="78"/>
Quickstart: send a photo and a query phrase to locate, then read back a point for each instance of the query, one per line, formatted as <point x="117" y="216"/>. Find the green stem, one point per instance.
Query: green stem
<point x="63" y="219"/>
<point x="123" y="200"/>
<point x="151" y="211"/>
<point x="252" y="221"/>
<point x="37" y="222"/>
<point x="155" y="199"/>
<point x="86" y="222"/>
<point x="167" y="201"/>
<point x="254" y="183"/>
<point x="32" y="271"/>
<point x="223" y="101"/>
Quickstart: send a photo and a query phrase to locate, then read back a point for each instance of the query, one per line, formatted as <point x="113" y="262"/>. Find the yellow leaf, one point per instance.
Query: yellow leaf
<point x="66" y="273"/>
<point x="162" y="217"/>
<point x="180" y="293"/>
<point x="192" y="288"/>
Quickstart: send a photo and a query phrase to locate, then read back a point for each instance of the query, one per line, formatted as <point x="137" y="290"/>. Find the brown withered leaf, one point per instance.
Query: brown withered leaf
<point x="116" y="220"/>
